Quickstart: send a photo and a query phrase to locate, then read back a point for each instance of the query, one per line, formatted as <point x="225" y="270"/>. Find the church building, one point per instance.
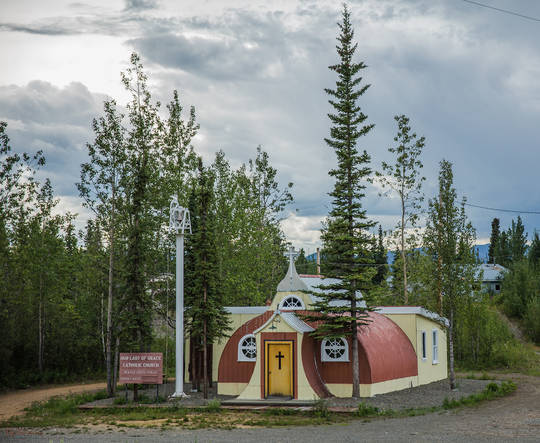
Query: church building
<point x="271" y="352"/>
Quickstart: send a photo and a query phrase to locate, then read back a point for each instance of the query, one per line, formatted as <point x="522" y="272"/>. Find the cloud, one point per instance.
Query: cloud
<point x="140" y="5"/>
<point x="55" y="120"/>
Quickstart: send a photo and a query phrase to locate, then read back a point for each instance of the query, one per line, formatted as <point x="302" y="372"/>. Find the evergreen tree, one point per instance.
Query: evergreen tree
<point x="346" y="239"/>
<point x="494" y="240"/>
<point x="534" y="251"/>
<point x="449" y="240"/>
<point x="208" y="319"/>
<point x="380" y="258"/>
<point x="517" y="239"/>
<point x="503" y="254"/>
<point x="404" y="179"/>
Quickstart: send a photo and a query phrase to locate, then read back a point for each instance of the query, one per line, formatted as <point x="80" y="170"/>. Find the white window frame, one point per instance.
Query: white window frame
<point x="423" y="341"/>
<point x="435" y="345"/>
<point x="326" y="358"/>
<point x="301" y="307"/>
<point x="241" y="355"/>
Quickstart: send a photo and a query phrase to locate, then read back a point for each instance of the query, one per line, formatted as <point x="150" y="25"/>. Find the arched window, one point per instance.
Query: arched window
<point x="292" y="302"/>
<point x="247" y="348"/>
<point x="334" y="349"/>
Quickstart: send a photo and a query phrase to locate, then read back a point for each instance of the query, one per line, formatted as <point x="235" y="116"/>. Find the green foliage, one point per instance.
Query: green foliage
<point x="482" y="338"/>
<point x="249" y="240"/>
<point x="531" y="319"/>
<point x="520" y="286"/>
<point x="213" y="406"/>
<point x="494" y="241"/>
<point x="365" y="410"/>
<point x="404" y="179"/>
<point x="320" y="408"/>
<point x="491" y="391"/>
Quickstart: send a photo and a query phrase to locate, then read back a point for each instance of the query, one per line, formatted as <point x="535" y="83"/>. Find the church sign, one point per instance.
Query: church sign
<point x="141" y="367"/>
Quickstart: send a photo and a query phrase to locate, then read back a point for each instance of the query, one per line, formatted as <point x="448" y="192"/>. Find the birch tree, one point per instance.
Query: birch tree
<point x="403" y="178"/>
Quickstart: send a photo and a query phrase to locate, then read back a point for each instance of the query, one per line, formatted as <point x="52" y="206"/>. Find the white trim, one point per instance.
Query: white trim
<point x="246" y="309"/>
<point x="435" y="345"/>
<point x="423" y="345"/>
<point x="241" y="355"/>
<point x="296" y="323"/>
<point x="418" y="310"/>
<point x="327" y="358"/>
<point x="276" y="312"/>
<point x="301" y="307"/>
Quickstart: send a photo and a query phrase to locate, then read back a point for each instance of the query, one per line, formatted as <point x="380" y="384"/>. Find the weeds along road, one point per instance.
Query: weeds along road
<point x="13" y="403"/>
<point x="512" y="418"/>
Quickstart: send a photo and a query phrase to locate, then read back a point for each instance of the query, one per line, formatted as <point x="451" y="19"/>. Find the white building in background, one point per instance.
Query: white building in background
<point x="492" y="276"/>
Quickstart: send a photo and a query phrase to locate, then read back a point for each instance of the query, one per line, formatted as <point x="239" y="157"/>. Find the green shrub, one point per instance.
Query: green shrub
<point x="365" y="410"/>
<point x="320" y="408"/>
<point x="213" y="406"/>
<point x="531" y="320"/>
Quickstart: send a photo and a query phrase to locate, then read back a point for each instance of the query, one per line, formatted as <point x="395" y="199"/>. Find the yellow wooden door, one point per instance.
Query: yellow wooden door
<point x="279" y="364"/>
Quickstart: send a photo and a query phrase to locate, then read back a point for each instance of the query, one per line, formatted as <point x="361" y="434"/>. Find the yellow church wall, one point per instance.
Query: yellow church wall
<point x="369" y="390"/>
<point x="306" y="299"/>
<point x="237" y="320"/>
<point x="407" y="322"/>
<point x="305" y="391"/>
<point x="231" y="388"/>
<point x="428" y="371"/>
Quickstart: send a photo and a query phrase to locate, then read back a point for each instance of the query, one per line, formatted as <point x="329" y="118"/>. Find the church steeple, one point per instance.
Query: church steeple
<point x="291" y="282"/>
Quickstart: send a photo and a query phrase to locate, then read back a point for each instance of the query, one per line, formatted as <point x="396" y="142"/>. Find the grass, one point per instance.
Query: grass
<point x="64" y="412"/>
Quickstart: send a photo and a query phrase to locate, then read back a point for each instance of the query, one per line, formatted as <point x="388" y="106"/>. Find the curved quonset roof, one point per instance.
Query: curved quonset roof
<point x="231" y="370"/>
<point x="386" y="352"/>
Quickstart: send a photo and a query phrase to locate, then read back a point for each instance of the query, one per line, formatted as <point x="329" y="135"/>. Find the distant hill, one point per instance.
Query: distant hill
<point x="481" y="250"/>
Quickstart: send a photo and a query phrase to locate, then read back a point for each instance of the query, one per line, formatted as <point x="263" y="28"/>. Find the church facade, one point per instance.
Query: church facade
<point x="271" y="352"/>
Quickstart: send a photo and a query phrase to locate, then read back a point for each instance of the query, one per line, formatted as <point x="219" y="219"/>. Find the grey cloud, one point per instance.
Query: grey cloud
<point x="56" y="120"/>
<point x="140" y="5"/>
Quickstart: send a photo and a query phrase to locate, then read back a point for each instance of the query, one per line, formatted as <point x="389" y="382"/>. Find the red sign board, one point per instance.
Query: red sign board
<point x="141" y="367"/>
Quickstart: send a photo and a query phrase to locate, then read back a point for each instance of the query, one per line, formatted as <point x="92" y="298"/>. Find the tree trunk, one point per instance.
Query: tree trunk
<point x="439" y="261"/>
<point x="116" y="356"/>
<point x="205" y="363"/>
<point x="40" y="326"/>
<point x="354" y="342"/>
<point x="403" y="255"/>
<point x="102" y="330"/>
<point x="451" y="350"/>
<point x="110" y="387"/>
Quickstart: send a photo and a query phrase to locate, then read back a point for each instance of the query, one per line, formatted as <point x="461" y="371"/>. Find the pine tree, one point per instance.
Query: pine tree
<point x="449" y="241"/>
<point x="380" y="258"/>
<point x="494" y="240"/>
<point x="346" y="239"/>
<point x="208" y="320"/>
<point x="517" y="239"/>
<point x="404" y="179"/>
<point x="534" y="251"/>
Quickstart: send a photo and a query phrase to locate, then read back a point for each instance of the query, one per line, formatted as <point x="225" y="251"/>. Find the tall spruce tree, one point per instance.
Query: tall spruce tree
<point x="449" y="240"/>
<point x="208" y="320"/>
<point x="494" y="240"/>
<point x="517" y="238"/>
<point x="346" y="238"/>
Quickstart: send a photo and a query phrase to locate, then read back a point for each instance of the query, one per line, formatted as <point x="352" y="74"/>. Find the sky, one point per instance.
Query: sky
<point x="467" y="77"/>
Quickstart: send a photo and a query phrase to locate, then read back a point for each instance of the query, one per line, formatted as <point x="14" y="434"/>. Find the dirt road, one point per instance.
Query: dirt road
<point x="13" y="403"/>
<point x="512" y="418"/>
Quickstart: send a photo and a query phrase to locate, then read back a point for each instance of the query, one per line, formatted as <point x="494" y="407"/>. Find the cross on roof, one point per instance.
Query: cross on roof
<point x="291" y="254"/>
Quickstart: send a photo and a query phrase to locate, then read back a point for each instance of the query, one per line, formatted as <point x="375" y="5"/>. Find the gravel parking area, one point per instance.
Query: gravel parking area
<point x="429" y="395"/>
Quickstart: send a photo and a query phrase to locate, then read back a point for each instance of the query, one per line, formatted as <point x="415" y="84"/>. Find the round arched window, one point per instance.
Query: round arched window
<point x="334" y="349"/>
<point x="247" y="348"/>
<point x="291" y="302"/>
